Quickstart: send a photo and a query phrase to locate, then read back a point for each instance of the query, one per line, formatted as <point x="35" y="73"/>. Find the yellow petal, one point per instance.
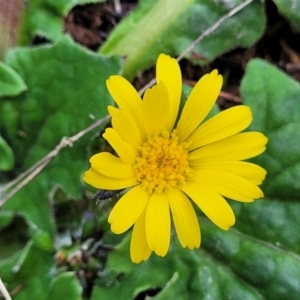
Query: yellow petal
<point x="185" y="219"/>
<point x="125" y="126"/>
<point x="199" y="103"/>
<point x="227" y="123"/>
<point x="240" y="146"/>
<point x="139" y="249"/>
<point x="228" y="185"/>
<point x="128" y="209"/>
<point x="211" y="203"/>
<point x="111" y="166"/>
<point x="249" y="171"/>
<point x="127" y="152"/>
<point x="101" y="181"/>
<point x="168" y="71"/>
<point x="158" y="224"/>
<point x="156" y="109"/>
<point x="126" y="96"/>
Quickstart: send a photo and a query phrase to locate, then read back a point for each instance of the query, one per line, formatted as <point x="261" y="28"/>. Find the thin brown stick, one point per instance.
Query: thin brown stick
<point x="28" y="175"/>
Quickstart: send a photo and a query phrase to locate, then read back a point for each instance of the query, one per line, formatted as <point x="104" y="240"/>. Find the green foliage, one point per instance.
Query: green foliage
<point x="65" y="286"/>
<point x="182" y="274"/>
<point x="66" y="93"/>
<point x="161" y="26"/>
<point x="276" y="114"/>
<point x="29" y="271"/>
<point x="6" y="156"/>
<point x="290" y="10"/>
<point x="11" y="83"/>
<point x="45" y="18"/>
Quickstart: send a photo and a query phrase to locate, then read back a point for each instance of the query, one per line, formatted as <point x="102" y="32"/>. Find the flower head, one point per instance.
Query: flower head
<point x="168" y="161"/>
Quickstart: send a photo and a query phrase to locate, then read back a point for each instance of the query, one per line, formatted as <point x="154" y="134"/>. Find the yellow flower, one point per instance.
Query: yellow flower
<point x="168" y="163"/>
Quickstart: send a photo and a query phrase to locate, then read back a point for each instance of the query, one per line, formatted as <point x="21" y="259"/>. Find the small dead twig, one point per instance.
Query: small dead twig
<point x="4" y="291"/>
<point x="28" y="175"/>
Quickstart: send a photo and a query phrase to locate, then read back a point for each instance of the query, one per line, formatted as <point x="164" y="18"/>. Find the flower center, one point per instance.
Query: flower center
<point x="163" y="162"/>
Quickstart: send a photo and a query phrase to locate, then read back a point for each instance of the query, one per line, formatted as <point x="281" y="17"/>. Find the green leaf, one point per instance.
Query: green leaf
<point x="29" y="273"/>
<point x="182" y="274"/>
<point x="276" y="113"/>
<point x="6" y="156"/>
<point x="5" y="218"/>
<point x="274" y="219"/>
<point x="11" y="84"/>
<point x="290" y="10"/>
<point x="13" y="233"/>
<point x="41" y="238"/>
<point x="65" y="286"/>
<point x="45" y="18"/>
<point x="275" y="273"/>
<point x="166" y="26"/>
<point x="67" y="93"/>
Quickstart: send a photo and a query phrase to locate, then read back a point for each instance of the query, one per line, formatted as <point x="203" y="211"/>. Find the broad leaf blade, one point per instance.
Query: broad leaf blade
<point x="166" y="26"/>
<point x="291" y="10"/>
<point x="28" y="273"/>
<point x="275" y="101"/>
<point x="11" y="84"/>
<point x="6" y="156"/>
<point x="182" y="274"/>
<point x="67" y="93"/>
<point x="65" y="286"/>
<point x="45" y="18"/>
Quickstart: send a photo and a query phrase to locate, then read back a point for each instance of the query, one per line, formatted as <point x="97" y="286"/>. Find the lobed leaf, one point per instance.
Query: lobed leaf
<point x="6" y="156"/>
<point x="66" y="94"/>
<point x="11" y="84"/>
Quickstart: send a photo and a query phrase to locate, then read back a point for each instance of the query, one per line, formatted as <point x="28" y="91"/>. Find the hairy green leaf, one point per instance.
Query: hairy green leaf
<point x="31" y="275"/>
<point x="6" y="156"/>
<point x="67" y="93"/>
<point x="291" y="10"/>
<point x="28" y="273"/>
<point x="182" y="274"/>
<point x="65" y="286"/>
<point x="11" y="84"/>
<point x="170" y="27"/>
<point x="274" y="99"/>
<point x="45" y="18"/>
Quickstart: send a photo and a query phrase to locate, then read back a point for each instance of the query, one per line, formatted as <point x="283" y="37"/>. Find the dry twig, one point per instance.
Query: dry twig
<point x="208" y="31"/>
<point x="4" y="291"/>
<point x="29" y="174"/>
